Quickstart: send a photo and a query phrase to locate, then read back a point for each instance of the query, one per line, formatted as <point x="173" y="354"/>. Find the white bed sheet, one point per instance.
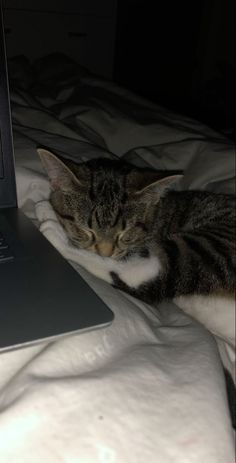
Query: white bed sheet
<point x="150" y="387"/>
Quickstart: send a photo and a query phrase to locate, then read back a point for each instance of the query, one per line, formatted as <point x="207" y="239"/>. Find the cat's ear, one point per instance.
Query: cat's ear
<point x="59" y="174"/>
<point x="155" y="190"/>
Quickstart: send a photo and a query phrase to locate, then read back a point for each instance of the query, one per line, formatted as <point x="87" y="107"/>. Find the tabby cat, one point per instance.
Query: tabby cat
<point x="136" y="232"/>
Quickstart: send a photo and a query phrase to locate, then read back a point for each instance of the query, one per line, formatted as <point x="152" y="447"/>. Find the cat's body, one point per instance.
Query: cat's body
<point x="145" y="239"/>
<point x="193" y="238"/>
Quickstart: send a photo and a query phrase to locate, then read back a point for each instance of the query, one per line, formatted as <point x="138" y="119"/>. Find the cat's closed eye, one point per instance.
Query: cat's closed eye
<point x="124" y="238"/>
<point x="67" y="217"/>
<point x="82" y="237"/>
<point x="131" y="235"/>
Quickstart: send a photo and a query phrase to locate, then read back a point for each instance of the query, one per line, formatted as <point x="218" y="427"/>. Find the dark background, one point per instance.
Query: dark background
<point x="178" y="53"/>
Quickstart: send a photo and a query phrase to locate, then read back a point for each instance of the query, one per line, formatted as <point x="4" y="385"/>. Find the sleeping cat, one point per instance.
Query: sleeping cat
<point x="133" y="230"/>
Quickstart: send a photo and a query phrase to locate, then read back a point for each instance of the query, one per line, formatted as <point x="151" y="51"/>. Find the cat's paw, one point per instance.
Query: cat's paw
<point x="117" y="282"/>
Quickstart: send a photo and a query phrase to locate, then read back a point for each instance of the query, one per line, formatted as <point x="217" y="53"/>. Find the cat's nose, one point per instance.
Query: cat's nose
<point x="105" y="248"/>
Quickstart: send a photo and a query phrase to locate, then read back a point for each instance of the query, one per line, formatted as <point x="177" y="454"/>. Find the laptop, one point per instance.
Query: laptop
<point x="41" y="296"/>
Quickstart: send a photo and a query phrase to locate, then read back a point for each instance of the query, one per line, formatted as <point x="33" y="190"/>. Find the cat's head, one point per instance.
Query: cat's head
<point x="105" y="206"/>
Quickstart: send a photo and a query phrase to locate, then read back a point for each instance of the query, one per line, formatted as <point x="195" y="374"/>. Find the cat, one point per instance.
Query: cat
<point x="131" y="228"/>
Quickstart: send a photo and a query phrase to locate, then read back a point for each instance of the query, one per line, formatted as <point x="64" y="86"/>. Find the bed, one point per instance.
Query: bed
<point x="150" y="387"/>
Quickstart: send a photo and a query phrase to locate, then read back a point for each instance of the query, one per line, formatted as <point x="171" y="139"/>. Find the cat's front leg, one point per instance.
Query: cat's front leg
<point x="133" y="272"/>
<point x="135" y="275"/>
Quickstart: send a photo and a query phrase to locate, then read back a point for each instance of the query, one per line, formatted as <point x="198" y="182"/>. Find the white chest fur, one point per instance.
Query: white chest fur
<point x="133" y="272"/>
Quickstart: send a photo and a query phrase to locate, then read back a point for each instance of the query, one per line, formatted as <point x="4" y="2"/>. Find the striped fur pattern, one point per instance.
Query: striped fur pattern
<point x="140" y="234"/>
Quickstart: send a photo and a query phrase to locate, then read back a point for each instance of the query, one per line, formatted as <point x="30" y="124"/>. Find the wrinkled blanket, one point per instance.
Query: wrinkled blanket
<point x="150" y="387"/>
